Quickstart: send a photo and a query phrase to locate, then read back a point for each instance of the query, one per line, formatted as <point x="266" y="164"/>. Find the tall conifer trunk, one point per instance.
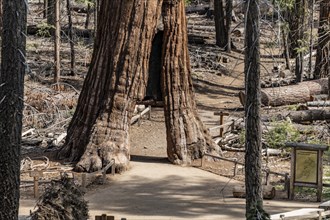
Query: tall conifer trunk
<point x="11" y="104"/>
<point x="322" y="64"/>
<point x="187" y="138"/>
<point x="99" y="130"/>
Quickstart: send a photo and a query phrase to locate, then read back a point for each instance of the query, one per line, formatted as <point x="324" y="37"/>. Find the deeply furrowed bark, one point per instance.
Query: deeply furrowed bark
<point x="11" y="105"/>
<point x="253" y="163"/>
<point x="187" y="138"/>
<point x="99" y="130"/>
<point x="322" y="64"/>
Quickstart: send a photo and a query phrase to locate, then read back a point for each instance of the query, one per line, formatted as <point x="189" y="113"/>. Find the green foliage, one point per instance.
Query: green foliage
<point x="44" y="29"/>
<point x="285" y="4"/>
<point x="303" y="46"/>
<point x="187" y="2"/>
<point x="292" y="107"/>
<point x="281" y="133"/>
<point x="257" y="213"/>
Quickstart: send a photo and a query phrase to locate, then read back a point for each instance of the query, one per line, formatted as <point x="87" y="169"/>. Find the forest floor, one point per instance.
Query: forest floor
<point x="152" y="188"/>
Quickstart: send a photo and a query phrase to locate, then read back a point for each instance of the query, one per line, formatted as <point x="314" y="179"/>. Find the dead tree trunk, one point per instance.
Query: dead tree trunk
<point x="11" y="104"/>
<point x="322" y="64"/>
<point x="99" y="130"/>
<point x="57" y="42"/>
<point x="187" y="138"/>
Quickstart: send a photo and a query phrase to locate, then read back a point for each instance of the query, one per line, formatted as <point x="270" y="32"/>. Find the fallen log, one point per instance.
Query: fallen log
<point x="35" y="29"/>
<point x="268" y="192"/>
<point x="301" y="116"/>
<point x="195" y="39"/>
<point x="292" y="94"/>
<point x="318" y="104"/>
<point x="136" y="117"/>
<point x="199" y="9"/>
<point x="82" y="9"/>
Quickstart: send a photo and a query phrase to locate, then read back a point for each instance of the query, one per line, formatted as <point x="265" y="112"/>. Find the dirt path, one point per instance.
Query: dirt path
<point x="155" y="189"/>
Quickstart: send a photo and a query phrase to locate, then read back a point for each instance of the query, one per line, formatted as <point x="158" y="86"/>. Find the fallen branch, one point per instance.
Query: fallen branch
<point x="136" y="117"/>
<point x="268" y="192"/>
<point x="30" y="131"/>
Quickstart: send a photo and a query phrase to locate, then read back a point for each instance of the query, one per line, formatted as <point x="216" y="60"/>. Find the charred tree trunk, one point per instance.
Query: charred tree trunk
<point x="220" y="28"/>
<point x="45" y="8"/>
<point x="1" y="15"/>
<point x="71" y="39"/>
<point x="297" y="26"/>
<point x="322" y="64"/>
<point x="99" y="130"/>
<point x="187" y="138"/>
<point x="88" y="13"/>
<point x="253" y="183"/>
<point x="229" y="14"/>
<point x="11" y="104"/>
<point x="51" y="12"/>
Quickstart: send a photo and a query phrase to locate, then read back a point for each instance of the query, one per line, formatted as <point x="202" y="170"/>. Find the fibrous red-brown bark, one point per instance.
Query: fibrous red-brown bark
<point x="187" y="137"/>
<point x="99" y="130"/>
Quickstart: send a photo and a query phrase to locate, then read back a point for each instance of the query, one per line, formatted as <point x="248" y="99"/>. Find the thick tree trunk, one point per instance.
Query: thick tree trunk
<point x="11" y="104"/>
<point x="187" y="138"/>
<point x="99" y="130"/>
<point x="253" y="183"/>
<point x="322" y="64"/>
<point x="299" y="93"/>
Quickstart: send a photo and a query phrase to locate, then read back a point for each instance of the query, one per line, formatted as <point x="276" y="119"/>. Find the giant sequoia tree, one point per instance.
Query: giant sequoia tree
<point x="11" y="104"/>
<point x="187" y="138"/>
<point x="99" y="130"/>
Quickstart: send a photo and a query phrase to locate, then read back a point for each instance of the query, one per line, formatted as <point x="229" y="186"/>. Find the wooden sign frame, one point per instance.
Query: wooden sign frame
<point x="306" y="159"/>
